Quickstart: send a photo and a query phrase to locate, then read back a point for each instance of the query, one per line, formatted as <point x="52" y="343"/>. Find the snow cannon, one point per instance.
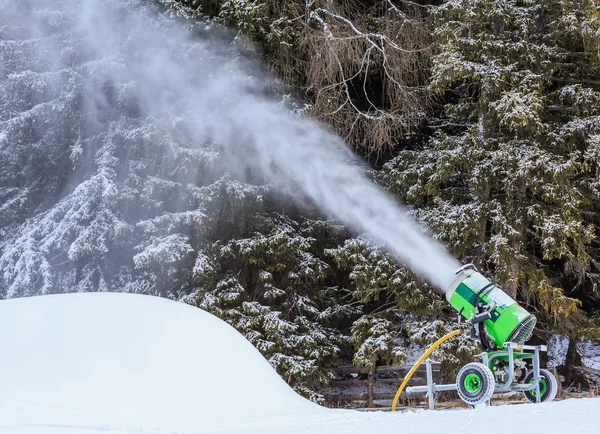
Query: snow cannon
<point x="499" y="318"/>
<point x="502" y="327"/>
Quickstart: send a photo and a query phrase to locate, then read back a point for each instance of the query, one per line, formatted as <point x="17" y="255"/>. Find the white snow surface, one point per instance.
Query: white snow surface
<point x="122" y="363"/>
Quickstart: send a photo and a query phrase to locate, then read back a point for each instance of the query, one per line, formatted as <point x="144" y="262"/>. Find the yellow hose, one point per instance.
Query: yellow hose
<point x="416" y="365"/>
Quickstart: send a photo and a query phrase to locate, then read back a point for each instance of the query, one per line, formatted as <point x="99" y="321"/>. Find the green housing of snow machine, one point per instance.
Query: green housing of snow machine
<point x="509" y="322"/>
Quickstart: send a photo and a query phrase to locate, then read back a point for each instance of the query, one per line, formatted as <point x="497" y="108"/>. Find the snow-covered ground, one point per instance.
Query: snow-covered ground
<point x="118" y="363"/>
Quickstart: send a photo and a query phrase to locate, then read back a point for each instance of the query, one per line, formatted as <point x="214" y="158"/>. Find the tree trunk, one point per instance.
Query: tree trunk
<point x="514" y="269"/>
<point x="370" y="389"/>
<point x="572" y="359"/>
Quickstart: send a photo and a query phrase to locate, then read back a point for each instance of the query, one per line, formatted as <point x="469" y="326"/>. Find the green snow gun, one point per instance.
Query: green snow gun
<point x="502" y="327"/>
<point x="495" y="318"/>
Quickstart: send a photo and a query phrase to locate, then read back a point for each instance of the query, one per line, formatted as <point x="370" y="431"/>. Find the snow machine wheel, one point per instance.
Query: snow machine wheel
<point x="475" y="383"/>
<point x="548" y="386"/>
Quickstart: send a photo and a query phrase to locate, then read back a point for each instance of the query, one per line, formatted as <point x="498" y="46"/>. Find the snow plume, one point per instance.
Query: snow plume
<point x="142" y="104"/>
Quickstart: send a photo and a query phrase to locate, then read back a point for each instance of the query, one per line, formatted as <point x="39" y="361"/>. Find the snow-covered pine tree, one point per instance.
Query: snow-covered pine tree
<point x="510" y="177"/>
<point x="97" y="193"/>
<point x="360" y="67"/>
<point x="102" y="193"/>
<point x="264" y="271"/>
<point x="402" y="313"/>
<point x="494" y="63"/>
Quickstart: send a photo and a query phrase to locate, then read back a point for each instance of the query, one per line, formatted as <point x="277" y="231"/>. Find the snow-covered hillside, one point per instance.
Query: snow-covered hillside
<point x="99" y="359"/>
<point x="119" y="363"/>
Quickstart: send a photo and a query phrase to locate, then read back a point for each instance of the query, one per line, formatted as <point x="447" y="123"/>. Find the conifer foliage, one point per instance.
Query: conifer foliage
<point x="268" y="277"/>
<point x="95" y="193"/>
<point x="509" y="178"/>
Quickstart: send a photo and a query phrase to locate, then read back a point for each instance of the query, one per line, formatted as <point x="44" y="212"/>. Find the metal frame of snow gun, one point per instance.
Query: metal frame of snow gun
<point x="508" y="356"/>
<point x="501" y="326"/>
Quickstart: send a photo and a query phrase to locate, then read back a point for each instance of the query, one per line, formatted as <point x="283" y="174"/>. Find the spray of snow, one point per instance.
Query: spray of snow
<point x="203" y="88"/>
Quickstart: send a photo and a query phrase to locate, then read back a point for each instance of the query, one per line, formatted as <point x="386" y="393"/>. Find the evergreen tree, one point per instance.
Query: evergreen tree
<point x="101" y="190"/>
<point x="509" y="178"/>
<point x="264" y="271"/>
<point x="97" y="192"/>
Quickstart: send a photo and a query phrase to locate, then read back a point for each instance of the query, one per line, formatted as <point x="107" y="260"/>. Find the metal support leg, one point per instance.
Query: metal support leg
<point x="430" y="385"/>
<point x="485" y="361"/>
<point x="511" y="364"/>
<point x="536" y="374"/>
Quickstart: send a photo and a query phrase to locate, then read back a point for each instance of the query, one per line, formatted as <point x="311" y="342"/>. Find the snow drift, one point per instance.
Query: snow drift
<point x="125" y="364"/>
<point x="132" y="360"/>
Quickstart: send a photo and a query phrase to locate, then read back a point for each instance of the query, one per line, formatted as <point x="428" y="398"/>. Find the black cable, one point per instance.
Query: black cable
<point x="482" y="334"/>
<point x="479" y="293"/>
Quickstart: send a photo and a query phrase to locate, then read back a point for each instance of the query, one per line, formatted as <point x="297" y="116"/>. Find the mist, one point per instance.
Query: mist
<point x="194" y="87"/>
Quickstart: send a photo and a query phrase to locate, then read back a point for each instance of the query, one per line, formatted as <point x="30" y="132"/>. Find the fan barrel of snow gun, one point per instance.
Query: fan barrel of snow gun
<point x="471" y="294"/>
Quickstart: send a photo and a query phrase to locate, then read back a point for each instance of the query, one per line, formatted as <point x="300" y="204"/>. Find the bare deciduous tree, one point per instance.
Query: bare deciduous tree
<point x="367" y="68"/>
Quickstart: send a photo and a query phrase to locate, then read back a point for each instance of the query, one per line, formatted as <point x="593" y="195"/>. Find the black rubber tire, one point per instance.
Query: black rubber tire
<point x="548" y="386"/>
<point x="475" y="383"/>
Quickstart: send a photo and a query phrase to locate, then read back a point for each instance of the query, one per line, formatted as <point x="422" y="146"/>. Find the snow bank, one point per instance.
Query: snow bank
<point x="132" y="364"/>
<point x="101" y="360"/>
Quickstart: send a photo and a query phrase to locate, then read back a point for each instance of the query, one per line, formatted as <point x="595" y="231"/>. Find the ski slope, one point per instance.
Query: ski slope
<point x="121" y="363"/>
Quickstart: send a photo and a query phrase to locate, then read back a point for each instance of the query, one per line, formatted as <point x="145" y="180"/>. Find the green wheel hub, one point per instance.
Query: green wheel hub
<point x="543" y="387"/>
<point x="547" y="384"/>
<point x="472" y="383"/>
<point x="475" y="383"/>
